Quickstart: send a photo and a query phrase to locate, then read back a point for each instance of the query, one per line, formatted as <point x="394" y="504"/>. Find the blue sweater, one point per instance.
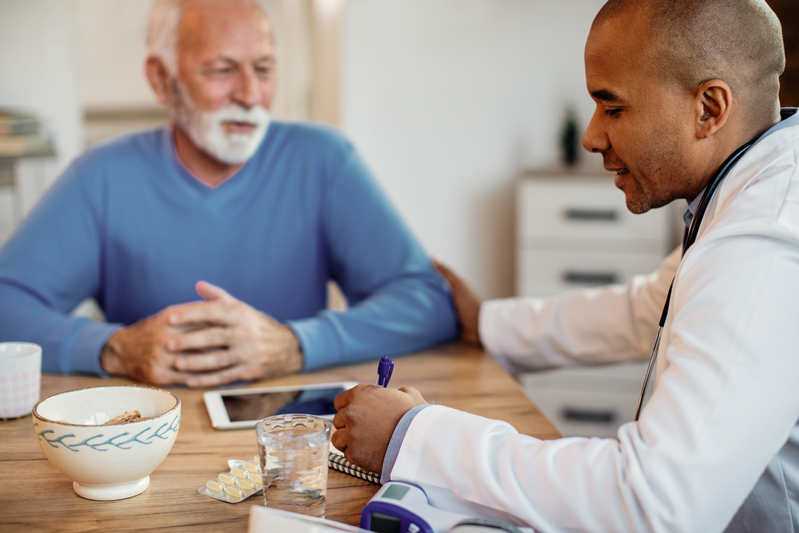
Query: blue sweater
<point x="129" y="225"/>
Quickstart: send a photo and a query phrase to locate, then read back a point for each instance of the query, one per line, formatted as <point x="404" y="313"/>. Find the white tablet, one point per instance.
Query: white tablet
<point x="242" y="408"/>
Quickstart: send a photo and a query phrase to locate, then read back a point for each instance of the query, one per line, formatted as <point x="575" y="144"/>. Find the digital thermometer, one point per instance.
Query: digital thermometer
<point x="404" y="508"/>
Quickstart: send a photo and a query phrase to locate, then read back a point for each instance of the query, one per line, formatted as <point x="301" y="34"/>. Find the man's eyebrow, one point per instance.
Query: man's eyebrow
<point x="213" y="60"/>
<point x="606" y="96"/>
<point x="208" y="64"/>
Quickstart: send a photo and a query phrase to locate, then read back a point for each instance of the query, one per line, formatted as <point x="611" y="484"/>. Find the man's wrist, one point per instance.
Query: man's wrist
<point x="315" y="343"/>
<point x="477" y="338"/>
<point x="295" y="359"/>
<point x="109" y="356"/>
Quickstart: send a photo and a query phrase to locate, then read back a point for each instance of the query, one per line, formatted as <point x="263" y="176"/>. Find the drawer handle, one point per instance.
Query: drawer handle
<point x="589" y="415"/>
<point x="590" y="278"/>
<point x="607" y="215"/>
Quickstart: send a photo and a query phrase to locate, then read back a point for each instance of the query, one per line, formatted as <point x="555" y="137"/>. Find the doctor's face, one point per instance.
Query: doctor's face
<point x="641" y="126"/>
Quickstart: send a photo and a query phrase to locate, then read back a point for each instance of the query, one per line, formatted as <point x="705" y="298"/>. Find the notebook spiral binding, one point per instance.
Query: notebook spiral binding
<point x="340" y="463"/>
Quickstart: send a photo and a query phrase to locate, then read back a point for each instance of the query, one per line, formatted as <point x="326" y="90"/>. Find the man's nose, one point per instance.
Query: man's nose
<point x="248" y="92"/>
<point x="595" y="139"/>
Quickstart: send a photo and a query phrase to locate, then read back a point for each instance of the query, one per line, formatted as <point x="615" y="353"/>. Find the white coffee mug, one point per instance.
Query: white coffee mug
<point x="20" y="378"/>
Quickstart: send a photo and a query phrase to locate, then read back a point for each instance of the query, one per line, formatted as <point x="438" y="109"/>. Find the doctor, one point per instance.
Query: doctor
<point x="679" y="86"/>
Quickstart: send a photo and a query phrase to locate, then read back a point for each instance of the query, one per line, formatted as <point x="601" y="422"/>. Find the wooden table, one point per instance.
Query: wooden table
<point x="34" y="496"/>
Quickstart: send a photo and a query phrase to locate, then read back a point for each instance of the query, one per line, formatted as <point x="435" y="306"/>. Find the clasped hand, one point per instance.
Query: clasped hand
<point x="201" y="344"/>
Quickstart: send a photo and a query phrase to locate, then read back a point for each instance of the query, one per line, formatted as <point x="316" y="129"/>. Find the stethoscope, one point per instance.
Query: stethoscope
<point x="688" y="240"/>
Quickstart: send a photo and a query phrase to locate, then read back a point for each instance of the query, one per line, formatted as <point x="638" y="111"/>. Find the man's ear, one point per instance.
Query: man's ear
<point x="713" y="104"/>
<point x="158" y="76"/>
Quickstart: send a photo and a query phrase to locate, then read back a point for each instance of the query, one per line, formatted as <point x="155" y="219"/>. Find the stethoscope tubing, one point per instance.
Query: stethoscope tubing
<point x="688" y="240"/>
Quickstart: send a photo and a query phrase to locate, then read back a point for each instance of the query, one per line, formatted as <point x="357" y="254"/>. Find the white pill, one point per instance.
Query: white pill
<point x="250" y="467"/>
<point x="234" y="491"/>
<point x="246" y="484"/>
<point x="214" y="486"/>
<point x="239" y="473"/>
<point x="227" y="479"/>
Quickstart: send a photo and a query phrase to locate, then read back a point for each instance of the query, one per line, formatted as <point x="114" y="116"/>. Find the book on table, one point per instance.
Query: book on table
<point x="337" y="461"/>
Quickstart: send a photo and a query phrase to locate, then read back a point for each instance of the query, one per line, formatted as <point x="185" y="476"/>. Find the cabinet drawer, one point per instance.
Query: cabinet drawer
<point x="586" y="414"/>
<point x="545" y="272"/>
<point x="583" y="208"/>
<point x="616" y="378"/>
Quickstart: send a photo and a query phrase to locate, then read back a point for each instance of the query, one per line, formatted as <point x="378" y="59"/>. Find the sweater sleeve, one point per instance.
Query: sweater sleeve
<point x="398" y="302"/>
<point x="47" y="267"/>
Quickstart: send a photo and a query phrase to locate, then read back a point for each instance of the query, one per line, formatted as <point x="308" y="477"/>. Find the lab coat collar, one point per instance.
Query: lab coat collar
<point x="788" y="118"/>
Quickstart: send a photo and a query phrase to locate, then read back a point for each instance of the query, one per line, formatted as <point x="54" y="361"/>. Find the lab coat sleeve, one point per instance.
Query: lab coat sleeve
<point x="605" y="325"/>
<point x="722" y="408"/>
<point x="47" y="267"/>
<point x="397" y="301"/>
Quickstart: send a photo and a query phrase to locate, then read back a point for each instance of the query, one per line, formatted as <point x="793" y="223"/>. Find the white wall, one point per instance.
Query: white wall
<point x="37" y="69"/>
<point x="37" y="76"/>
<point x="110" y="52"/>
<point x="449" y="99"/>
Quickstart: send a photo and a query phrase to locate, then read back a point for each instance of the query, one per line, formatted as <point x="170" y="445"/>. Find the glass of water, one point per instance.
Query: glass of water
<point x="293" y="451"/>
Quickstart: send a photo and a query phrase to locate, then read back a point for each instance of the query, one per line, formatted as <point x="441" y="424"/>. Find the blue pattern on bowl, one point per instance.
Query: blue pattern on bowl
<point x="162" y="433"/>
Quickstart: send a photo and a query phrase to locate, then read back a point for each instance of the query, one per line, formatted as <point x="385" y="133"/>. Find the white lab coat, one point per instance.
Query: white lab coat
<point x="726" y="397"/>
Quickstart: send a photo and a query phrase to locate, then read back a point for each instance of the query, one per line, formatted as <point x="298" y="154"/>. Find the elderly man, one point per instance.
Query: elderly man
<point x="258" y="215"/>
<point x="683" y="90"/>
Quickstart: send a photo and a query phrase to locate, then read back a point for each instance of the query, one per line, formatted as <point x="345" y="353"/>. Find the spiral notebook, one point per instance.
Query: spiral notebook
<point x="336" y="460"/>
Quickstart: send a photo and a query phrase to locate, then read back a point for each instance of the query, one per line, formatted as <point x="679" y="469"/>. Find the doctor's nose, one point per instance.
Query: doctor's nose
<point x="595" y="139"/>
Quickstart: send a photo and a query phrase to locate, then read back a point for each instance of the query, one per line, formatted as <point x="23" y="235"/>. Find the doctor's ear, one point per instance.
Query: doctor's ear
<point x="713" y="105"/>
<point x="158" y="76"/>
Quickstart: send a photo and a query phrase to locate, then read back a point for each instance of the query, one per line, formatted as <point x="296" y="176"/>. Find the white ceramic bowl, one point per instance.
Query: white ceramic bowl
<point x="107" y="462"/>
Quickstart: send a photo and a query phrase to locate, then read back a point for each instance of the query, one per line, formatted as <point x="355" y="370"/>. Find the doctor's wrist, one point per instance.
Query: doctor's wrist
<point x="397" y="438"/>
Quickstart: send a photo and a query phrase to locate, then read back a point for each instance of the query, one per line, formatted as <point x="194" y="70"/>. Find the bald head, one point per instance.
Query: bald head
<point x="693" y="41"/>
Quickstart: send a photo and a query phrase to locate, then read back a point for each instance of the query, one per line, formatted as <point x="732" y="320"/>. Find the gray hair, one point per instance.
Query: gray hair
<point x="162" y="30"/>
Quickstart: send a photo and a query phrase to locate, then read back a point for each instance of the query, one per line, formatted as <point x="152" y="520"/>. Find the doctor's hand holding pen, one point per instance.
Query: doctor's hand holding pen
<point x="365" y="421"/>
<point x="467" y="303"/>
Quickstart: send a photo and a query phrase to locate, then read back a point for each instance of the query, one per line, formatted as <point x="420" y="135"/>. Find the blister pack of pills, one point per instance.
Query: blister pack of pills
<point x="242" y="481"/>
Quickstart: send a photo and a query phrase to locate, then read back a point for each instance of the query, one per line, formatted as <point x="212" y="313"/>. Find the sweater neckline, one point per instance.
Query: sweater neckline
<point x="172" y="149"/>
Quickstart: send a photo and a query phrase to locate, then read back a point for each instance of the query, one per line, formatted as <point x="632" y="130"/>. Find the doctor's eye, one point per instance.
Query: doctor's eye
<point x="613" y="112"/>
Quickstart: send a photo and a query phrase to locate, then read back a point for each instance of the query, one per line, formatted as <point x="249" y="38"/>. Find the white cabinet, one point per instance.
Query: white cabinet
<point x="574" y="232"/>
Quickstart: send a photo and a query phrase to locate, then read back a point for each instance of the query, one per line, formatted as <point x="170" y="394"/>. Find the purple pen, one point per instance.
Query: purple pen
<point x="385" y="367"/>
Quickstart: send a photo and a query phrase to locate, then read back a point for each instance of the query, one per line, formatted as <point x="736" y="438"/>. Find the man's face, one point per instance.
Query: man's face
<point x="641" y="127"/>
<point x="225" y="78"/>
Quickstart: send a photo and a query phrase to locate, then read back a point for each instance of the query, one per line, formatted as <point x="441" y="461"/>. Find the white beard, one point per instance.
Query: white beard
<point x="205" y="128"/>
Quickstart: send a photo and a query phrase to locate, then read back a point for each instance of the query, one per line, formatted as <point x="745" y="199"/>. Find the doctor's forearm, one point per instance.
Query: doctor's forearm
<point x="606" y="325"/>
